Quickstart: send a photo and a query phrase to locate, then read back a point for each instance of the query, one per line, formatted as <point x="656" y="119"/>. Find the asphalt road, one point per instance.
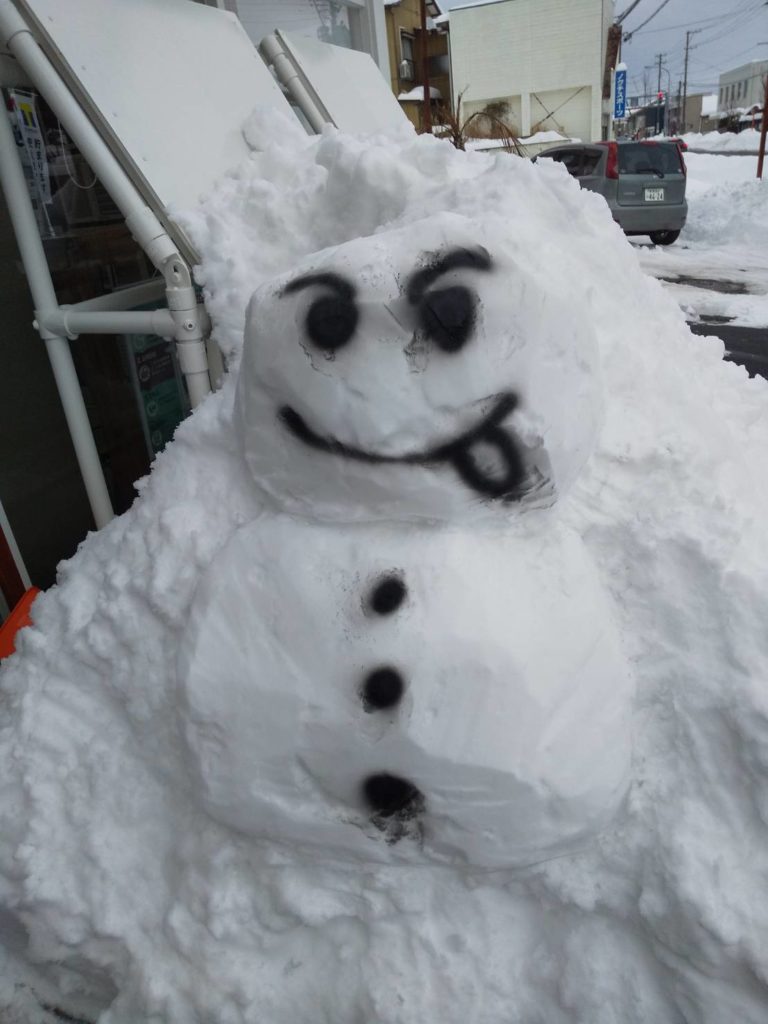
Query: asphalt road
<point x="745" y="345"/>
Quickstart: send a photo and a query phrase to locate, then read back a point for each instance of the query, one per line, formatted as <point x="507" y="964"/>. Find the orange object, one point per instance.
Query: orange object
<point x="18" y="619"/>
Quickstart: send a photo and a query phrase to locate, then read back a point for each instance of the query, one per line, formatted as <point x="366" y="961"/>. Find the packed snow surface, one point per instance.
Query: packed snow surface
<point x="723" y="240"/>
<point x="125" y="900"/>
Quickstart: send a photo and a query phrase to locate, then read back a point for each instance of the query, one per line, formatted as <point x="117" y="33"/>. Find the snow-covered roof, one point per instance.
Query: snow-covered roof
<point x="538" y="139"/>
<point x="484" y="3"/>
<point x="417" y="93"/>
<point x="443" y="19"/>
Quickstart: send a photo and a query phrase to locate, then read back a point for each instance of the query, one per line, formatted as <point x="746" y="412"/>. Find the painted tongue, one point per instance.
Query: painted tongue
<point x="490" y="463"/>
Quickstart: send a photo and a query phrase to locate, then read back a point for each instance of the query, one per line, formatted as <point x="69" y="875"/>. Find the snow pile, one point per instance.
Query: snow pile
<point x="728" y="205"/>
<point x="123" y="898"/>
<point x="747" y="141"/>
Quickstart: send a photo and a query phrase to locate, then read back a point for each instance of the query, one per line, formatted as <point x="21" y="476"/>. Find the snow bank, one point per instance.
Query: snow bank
<point x="728" y="204"/>
<point x="124" y="901"/>
<point x="747" y="141"/>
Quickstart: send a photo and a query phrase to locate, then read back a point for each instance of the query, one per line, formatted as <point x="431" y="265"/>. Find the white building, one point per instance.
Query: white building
<point x="743" y="87"/>
<point x="544" y="59"/>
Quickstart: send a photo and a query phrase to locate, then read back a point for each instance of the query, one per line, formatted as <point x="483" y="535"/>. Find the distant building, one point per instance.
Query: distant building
<point x="701" y="113"/>
<point x="742" y="88"/>
<point x="403" y="18"/>
<point x="540" y="61"/>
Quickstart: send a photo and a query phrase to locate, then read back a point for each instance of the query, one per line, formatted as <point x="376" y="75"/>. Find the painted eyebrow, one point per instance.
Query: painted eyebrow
<point x="475" y="259"/>
<point x="343" y="288"/>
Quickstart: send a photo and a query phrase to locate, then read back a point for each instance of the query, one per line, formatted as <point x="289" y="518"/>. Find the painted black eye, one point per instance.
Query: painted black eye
<point x="448" y="316"/>
<point x="331" y="322"/>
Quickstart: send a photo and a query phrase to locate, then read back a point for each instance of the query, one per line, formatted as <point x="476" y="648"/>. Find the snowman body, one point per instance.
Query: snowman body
<point x="407" y="657"/>
<point x="500" y="707"/>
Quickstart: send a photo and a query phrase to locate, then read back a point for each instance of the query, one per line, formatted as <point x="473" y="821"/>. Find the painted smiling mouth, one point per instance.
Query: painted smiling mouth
<point x="485" y="457"/>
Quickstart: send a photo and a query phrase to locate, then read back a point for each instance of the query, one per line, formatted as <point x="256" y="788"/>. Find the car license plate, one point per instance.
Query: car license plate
<point x="654" y="195"/>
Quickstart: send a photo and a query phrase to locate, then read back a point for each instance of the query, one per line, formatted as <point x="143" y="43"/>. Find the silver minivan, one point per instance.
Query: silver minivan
<point x="642" y="182"/>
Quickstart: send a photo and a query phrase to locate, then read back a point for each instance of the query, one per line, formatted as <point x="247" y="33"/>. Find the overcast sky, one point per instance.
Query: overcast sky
<point x="730" y="34"/>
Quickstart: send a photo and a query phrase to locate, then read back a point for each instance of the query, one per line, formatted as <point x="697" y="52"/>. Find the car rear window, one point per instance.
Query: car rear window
<point x="649" y="158"/>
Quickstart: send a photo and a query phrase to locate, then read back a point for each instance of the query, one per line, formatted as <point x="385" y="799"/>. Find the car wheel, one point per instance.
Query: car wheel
<point x="664" y="237"/>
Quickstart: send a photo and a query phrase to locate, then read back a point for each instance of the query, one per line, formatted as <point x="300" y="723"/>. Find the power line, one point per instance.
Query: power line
<point x="687" y="24"/>
<point x="626" y="13"/>
<point x="722" y="33"/>
<point x="661" y="6"/>
<point x="740" y="15"/>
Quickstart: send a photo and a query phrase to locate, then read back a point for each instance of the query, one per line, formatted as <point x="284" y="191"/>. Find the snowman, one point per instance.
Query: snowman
<point x="408" y="657"/>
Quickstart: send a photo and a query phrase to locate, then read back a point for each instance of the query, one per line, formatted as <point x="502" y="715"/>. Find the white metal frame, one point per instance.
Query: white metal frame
<point x="309" y="103"/>
<point x="184" y="320"/>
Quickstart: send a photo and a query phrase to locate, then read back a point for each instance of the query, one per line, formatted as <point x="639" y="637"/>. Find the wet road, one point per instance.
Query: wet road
<point x="745" y="345"/>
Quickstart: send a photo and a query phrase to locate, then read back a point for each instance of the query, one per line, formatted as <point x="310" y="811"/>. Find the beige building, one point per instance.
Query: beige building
<point x="403" y="19"/>
<point x="542" y="60"/>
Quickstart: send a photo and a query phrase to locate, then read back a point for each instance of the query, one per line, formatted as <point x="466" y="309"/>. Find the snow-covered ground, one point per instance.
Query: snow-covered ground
<point x="136" y="886"/>
<point x="724" y="241"/>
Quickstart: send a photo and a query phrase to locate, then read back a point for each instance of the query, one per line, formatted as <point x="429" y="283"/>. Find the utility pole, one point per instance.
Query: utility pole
<point x="679" y="104"/>
<point x="688" y="34"/>
<point x="763" y="131"/>
<point x="427" y="113"/>
<point x="659" y="60"/>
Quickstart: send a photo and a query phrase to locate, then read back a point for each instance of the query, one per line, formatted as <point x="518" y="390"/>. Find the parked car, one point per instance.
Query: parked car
<point x="642" y="182"/>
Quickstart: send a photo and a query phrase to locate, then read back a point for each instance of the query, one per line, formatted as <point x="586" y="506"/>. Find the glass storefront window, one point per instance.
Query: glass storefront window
<point x="133" y="391"/>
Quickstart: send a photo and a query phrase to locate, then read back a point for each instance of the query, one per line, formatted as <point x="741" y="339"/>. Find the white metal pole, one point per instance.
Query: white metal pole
<point x="273" y="54"/>
<point x="44" y="297"/>
<point x="73" y="322"/>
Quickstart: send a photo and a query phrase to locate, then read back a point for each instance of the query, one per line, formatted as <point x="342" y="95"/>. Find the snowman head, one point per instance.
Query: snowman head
<point x="421" y="373"/>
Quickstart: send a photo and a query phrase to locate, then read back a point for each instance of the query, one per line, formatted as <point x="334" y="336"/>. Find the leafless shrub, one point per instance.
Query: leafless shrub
<point x="482" y="124"/>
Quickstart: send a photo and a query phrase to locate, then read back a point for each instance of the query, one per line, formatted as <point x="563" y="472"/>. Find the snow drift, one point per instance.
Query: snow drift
<point x="123" y="900"/>
<point x="747" y="141"/>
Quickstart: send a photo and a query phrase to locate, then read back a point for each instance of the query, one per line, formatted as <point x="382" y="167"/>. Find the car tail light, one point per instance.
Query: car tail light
<point x="612" y="166"/>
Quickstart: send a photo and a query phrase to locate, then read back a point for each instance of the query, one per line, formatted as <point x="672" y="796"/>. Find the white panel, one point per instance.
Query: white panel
<point x="348" y="84"/>
<point x="170" y="83"/>
<point x="536" y="47"/>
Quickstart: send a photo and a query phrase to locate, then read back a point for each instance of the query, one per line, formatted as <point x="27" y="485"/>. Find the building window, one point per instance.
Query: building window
<point x="407" y="69"/>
